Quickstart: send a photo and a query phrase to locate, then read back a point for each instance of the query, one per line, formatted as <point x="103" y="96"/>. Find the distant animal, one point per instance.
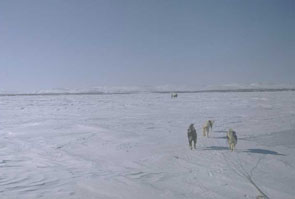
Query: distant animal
<point x="232" y="139"/>
<point x="192" y="136"/>
<point x="207" y="127"/>
<point x="174" y="95"/>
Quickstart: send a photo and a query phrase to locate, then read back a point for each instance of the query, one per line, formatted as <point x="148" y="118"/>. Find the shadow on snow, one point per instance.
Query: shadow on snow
<point x="214" y="148"/>
<point x="263" y="151"/>
<point x="259" y="151"/>
<point x="222" y="137"/>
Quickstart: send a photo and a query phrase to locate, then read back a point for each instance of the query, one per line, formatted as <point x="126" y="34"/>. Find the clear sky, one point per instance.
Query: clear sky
<point x="88" y="43"/>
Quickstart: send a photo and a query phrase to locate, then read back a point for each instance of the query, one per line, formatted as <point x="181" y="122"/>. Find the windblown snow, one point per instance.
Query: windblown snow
<point x="135" y="146"/>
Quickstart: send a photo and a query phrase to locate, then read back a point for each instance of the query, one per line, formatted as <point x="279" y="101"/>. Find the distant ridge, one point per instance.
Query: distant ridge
<point x="232" y="90"/>
<point x="150" y="91"/>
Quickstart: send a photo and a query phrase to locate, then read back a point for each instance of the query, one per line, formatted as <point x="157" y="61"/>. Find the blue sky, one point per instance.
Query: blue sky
<point x="88" y="43"/>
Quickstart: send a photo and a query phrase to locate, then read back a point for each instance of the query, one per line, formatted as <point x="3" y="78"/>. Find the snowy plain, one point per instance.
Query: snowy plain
<point x="135" y="146"/>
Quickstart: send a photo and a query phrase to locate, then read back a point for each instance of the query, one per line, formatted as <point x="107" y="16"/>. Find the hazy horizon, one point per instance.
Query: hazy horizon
<point x="86" y="44"/>
<point x="254" y="87"/>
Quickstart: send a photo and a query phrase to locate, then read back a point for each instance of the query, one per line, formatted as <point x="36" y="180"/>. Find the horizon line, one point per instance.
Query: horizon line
<point x="241" y="90"/>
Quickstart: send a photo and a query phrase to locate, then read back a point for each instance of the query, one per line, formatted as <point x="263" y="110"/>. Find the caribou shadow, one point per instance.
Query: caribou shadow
<point x="222" y="137"/>
<point x="215" y="148"/>
<point x="263" y="151"/>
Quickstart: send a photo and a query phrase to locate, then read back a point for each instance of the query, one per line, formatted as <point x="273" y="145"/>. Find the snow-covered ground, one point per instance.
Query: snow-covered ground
<point x="135" y="146"/>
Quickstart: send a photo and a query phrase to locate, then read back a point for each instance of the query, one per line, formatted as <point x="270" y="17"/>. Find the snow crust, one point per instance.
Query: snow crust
<point x="135" y="146"/>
